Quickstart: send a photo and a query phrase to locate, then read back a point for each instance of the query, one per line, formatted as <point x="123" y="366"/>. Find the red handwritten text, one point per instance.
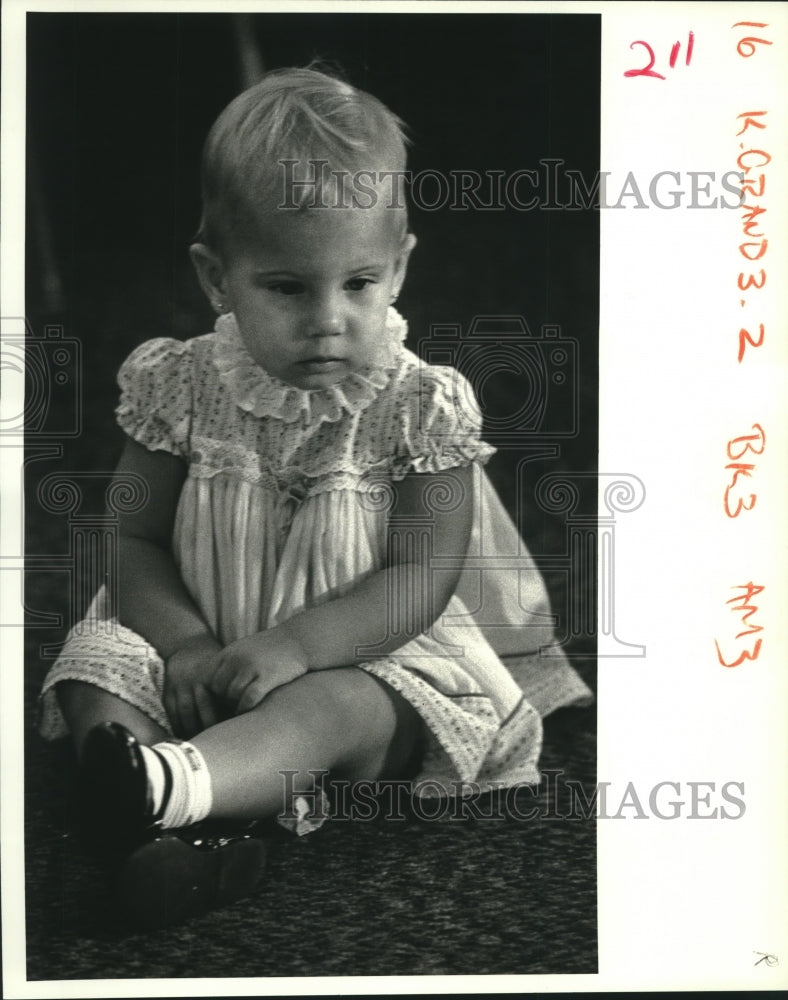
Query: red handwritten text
<point x="648" y="69"/>
<point x="737" y="449"/>
<point x="752" y="159"/>
<point x="746" y="46"/>
<point x="751" y="162"/>
<point x="743" y="607"/>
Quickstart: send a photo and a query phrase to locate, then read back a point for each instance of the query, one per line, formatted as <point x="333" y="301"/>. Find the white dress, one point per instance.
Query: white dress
<point x="285" y="507"/>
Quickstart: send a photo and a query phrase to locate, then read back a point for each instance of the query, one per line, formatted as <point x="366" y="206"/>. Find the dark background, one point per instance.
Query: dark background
<point x="118" y="107"/>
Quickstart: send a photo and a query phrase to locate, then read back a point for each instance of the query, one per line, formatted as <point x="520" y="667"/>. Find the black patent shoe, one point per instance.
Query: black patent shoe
<point x="115" y="810"/>
<point x="182" y="874"/>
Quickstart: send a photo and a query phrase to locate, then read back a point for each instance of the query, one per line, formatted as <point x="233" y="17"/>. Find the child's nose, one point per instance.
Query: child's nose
<point x="328" y="316"/>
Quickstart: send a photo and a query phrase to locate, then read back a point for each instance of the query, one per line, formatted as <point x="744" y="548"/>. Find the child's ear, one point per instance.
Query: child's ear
<point x="401" y="264"/>
<point x="210" y="273"/>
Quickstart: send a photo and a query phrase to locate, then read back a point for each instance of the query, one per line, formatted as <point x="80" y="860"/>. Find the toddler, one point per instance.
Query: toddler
<point x="292" y="596"/>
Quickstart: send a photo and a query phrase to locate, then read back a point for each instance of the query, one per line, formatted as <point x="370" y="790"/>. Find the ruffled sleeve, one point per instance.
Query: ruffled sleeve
<point x="156" y="395"/>
<point x="440" y="423"/>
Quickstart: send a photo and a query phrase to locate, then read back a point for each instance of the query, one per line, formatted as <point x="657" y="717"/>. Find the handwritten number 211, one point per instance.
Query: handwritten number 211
<point x="674" y="54"/>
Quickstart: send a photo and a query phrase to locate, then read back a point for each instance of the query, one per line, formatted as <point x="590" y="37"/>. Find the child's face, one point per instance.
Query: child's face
<point x="311" y="291"/>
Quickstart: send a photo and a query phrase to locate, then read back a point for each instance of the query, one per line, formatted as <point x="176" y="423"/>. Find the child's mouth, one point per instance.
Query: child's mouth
<point x="318" y="365"/>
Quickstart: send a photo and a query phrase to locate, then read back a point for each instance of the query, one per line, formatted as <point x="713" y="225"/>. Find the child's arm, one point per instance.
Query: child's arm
<point x="152" y="599"/>
<point x="331" y="634"/>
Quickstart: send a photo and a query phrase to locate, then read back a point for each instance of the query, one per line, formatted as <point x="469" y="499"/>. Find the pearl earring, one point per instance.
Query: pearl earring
<point x="219" y="307"/>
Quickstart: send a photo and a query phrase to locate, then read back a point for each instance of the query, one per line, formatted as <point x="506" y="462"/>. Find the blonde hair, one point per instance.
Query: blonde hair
<point x="295" y="114"/>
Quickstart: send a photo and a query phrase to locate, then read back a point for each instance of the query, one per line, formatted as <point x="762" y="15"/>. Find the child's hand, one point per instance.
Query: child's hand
<point x="250" y="668"/>
<point x="190" y="704"/>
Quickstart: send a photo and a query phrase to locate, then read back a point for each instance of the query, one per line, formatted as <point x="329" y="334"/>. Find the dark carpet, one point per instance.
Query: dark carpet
<point x="464" y="895"/>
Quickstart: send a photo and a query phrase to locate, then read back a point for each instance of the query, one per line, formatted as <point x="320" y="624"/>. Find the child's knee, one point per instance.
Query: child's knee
<point x="379" y="730"/>
<point x="86" y="705"/>
<point x="339" y="701"/>
<point x="322" y="699"/>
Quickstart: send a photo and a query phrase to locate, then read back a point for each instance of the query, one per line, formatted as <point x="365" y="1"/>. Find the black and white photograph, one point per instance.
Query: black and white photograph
<point x="321" y="343"/>
<point x="360" y="453"/>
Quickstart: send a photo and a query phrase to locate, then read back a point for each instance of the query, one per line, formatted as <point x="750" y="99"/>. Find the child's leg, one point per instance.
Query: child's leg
<point x="85" y="706"/>
<point x="344" y="720"/>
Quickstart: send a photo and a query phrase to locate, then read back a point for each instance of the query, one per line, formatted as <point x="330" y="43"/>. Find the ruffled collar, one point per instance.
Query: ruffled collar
<point x="257" y="392"/>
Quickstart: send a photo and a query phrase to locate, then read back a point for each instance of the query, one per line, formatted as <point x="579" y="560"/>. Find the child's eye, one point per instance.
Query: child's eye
<point x="286" y="287"/>
<point x="359" y="284"/>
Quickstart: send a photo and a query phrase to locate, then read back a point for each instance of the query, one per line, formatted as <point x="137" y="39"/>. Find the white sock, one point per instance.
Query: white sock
<point x="157" y="783"/>
<point x="190" y="795"/>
